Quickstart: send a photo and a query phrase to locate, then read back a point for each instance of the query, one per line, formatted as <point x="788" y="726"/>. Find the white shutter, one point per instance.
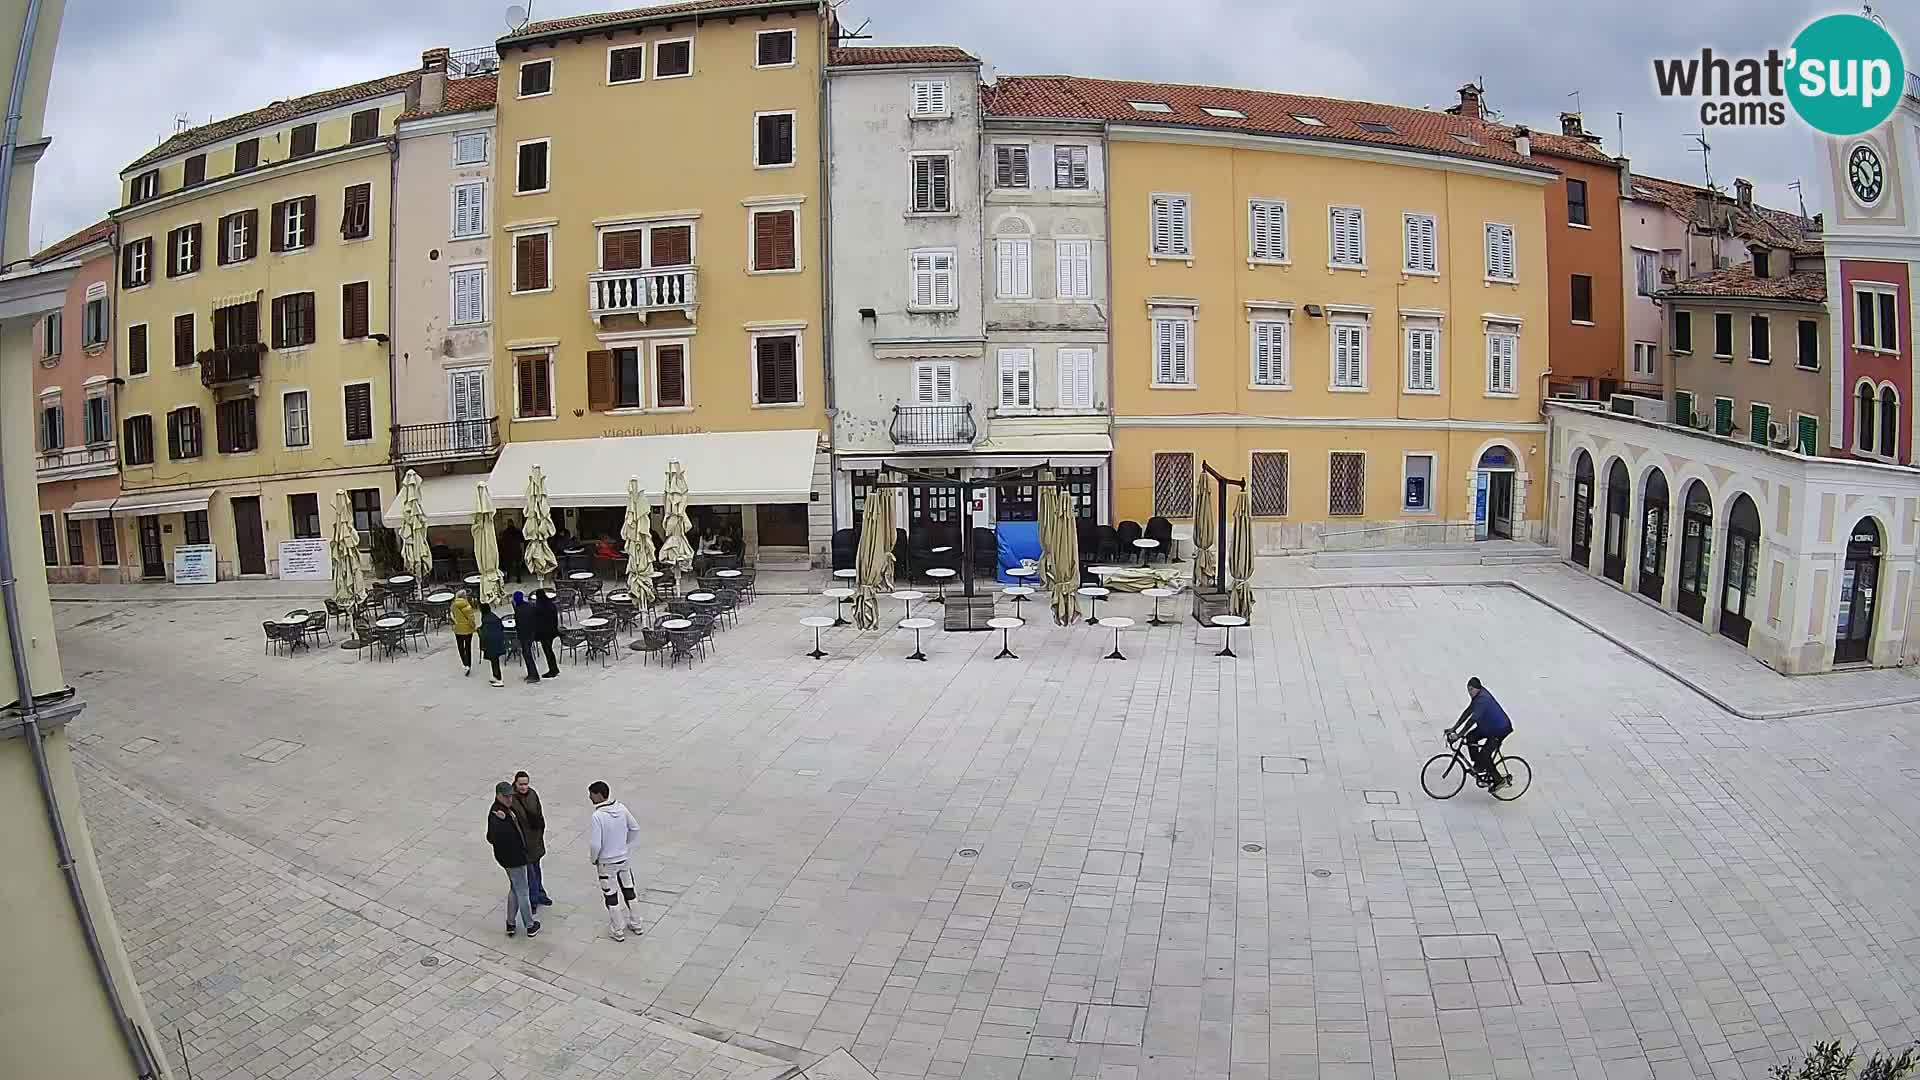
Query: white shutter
<point x="1171" y="343"/>
<point x="1016" y="378"/>
<point x="1171" y="238"/>
<point x="942" y="264"/>
<point x="1014" y="259"/>
<point x="1182" y="243"/>
<point x="1266" y="230"/>
<point x="469" y="296"/>
<point x="469" y="209"/>
<point x="1076" y="378"/>
<point x="929" y="98"/>
<point x="1270" y="353"/>
<point x="1073" y="269"/>
<point x="1502" y="357"/>
<point x="1500" y="259"/>
<point x="1349" y="355"/>
<point x="1162" y="226"/>
<point x="1346" y="226"/>
<point x="1422" y="359"/>
<point x="1422" y="243"/>
<point x="922" y="275"/>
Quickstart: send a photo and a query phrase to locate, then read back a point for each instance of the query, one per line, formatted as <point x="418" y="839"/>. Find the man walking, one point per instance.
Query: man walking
<point x="533" y="826"/>
<point x="608" y="838"/>
<point x="510" y="851"/>
<point x="526" y="630"/>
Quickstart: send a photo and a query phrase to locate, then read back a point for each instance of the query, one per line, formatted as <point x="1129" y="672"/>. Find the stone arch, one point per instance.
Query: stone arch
<point x="1013" y="224"/>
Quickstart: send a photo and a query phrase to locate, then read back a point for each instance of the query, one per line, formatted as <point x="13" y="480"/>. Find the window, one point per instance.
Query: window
<point x="1009" y="166"/>
<point x="1418" y="497"/>
<point x="76" y="544"/>
<point x="1173" y="484"/>
<point x="353" y="310"/>
<point x="1013" y="260"/>
<point x="1171" y="237"/>
<point x="776" y="369"/>
<point x="1266" y="230"/>
<point x="932" y="192"/>
<point x="239" y="240"/>
<point x="669" y="376"/>
<point x="536" y="78"/>
<point x="469" y="209"/>
<point x="469" y="285"/>
<point x="773" y="139"/>
<point x="1582" y="298"/>
<point x="246" y="155"/>
<point x="185" y="439"/>
<point x="293" y="320"/>
<point x="1760" y="331"/>
<point x="293" y="223"/>
<point x="531" y="175"/>
<point x="1272" y="353"/>
<point x="1683" y="408"/>
<point x="932" y="281"/>
<point x="356" y="212"/>
<point x="53" y="435"/>
<point x="50" y="336"/>
<point x="365" y="503"/>
<point x="233" y="426"/>
<point x="1172" y="352"/>
<point x="304" y="512"/>
<point x="1376" y="127"/>
<point x="93" y="323"/>
<point x="236" y="324"/>
<point x="1076" y="378"/>
<point x="136" y="263"/>
<point x="136" y="440"/>
<point x="1073" y="269"/>
<point x="532" y="260"/>
<point x="1016" y="378"/>
<point x="357" y="399"/>
<point x="1889" y="422"/>
<point x="1760" y="418"/>
<point x="1308" y="120"/>
<point x="1643" y="359"/>
<point x="470" y="148"/>
<point x="613" y="379"/>
<point x="774" y="240"/>
<point x="1423" y="359"/>
<point x="533" y="384"/>
<point x="773" y="48"/>
<point x="1346" y="236"/>
<point x="304" y="137"/>
<point x="929" y="98"/>
<point x="673" y="59"/>
<point x="145" y="186"/>
<point x="1646" y="272"/>
<point x="1576" y="201"/>
<point x="1807" y="434"/>
<point x="183" y="251"/>
<point x="49" y="542"/>
<point x="933" y="383"/>
<point x="98" y="419"/>
<point x="1723" y="416"/>
<point x="1350" y="356"/>
<point x="1863" y="416"/>
<point x="109" y="543"/>
<point x="627" y="64"/>
<point x="1223" y="113"/>
<point x="1070" y="168"/>
<point x="1503" y="351"/>
<point x="1809" y="352"/>
<point x="1723" y="334"/>
<point x="137" y="349"/>
<point x="670" y="245"/>
<point x="298" y="422"/>
<point x="1876" y="323"/>
<point x="1500" y="258"/>
<point x="195" y="171"/>
<point x="1267" y="483"/>
<point x="194" y="527"/>
<point x="1423" y="244"/>
<point x="1346" y="484"/>
<point x="1683" y="331"/>
<point x="365" y="126"/>
<point x="1151" y="106"/>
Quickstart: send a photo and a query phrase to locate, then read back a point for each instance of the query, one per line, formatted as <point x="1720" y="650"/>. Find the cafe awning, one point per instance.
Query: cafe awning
<point x="448" y="500"/>
<point x="181" y="501"/>
<point x="87" y="509"/>
<point x="723" y="468"/>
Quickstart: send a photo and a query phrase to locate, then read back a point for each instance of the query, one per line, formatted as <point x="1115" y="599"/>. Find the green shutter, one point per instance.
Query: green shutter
<point x="1683" y="408"/>
<point x="1809" y="436"/>
<point x="1762" y="420"/>
<point x="1722" y="416"/>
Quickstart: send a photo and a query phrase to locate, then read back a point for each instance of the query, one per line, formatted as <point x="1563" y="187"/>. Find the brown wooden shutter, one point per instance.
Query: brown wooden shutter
<point x="670" y="376"/>
<point x="530" y="262"/>
<point x="623" y="250"/>
<point x="523" y="372"/>
<point x="353" y="310"/>
<point x="137" y="349"/>
<point x="252" y="218"/>
<point x="784" y="255"/>
<point x="356" y="217"/>
<point x="359" y="412"/>
<point x="673" y="245"/>
<point x="311" y="206"/>
<point x="310" y="321"/>
<point x="276" y="242"/>
<point x="182" y="340"/>
<point x="220" y="238"/>
<point x="249" y="324"/>
<point x="279" y="322"/>
<point x="763" y="242"/>
<point x="601" y="393"/>
<point x="778" y="374"/>
<point x="199" y="248"/>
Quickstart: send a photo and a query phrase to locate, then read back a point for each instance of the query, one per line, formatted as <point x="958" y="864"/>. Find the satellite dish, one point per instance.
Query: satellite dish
<point x="517" y="18"/>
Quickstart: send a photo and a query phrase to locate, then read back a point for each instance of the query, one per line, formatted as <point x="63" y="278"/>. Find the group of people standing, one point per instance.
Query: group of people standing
<point x="535" y="622"/>
<point x="517" y="830"/>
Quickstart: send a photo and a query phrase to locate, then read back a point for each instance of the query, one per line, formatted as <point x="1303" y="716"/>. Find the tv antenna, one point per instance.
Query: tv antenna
<point x="858" y="33"/>
<point x="1801" y="193"/>
<point x="518" y="16"/>
<point x="1705" y="150"/>
<point x="1576" y="101"/>
<point x="181" y="123"/>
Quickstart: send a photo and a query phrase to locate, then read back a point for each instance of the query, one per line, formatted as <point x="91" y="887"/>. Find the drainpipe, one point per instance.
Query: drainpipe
<point x="144" y="1065"/>
<point x="827" y="28"/>
<point x="393" y="378"/>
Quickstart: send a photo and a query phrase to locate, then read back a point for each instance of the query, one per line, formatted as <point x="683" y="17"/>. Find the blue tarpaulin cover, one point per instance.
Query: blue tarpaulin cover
<point x="1019" y="541"/>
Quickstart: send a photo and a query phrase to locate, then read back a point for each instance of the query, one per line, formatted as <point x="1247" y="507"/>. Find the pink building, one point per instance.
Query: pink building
<point x="78" y="466"/>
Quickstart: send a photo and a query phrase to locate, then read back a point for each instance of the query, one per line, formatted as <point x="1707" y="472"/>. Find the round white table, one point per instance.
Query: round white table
<point x="916" y="625"/>
<point x="473" y="579"/>
<point x="1226" y="623"/>
<point x="819" y="623"/>
<point x="1145" y="546"/>
<point x="941" y="575"/>
<point x="1103" y="571"/>
<point x="392" y="621"/>
<point x="1117" y="623"/>
<point x="594" y="622"/>
<point x="840" y="598"/>
<point x="1023" y="571"/>
<point x="846" y="575"/>
<point x="908" y="596"/>
<point x="727" y="574"/>
<point x="301" y="620"/>
<point x="580" y="575"/>
<point x="400" y="579"/>
<point x="1020" y="593"/>
<point x="1004" y="624"/>
<point x="621" y="597"/>
<point x="1158" y="595"/>
<point x="700" y="597"/>
<point x="1096" y="594"/>
<point x="440" y="598"/>
<point x="676" y="624"/>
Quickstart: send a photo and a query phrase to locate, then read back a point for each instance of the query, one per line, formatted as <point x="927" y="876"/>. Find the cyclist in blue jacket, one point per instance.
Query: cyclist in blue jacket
<point x="1484" y="725"/>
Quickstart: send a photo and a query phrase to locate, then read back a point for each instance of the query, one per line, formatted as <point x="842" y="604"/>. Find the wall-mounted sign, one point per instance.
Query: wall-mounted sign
<point x="193" y="565"/>
<point x="305" y="560"/>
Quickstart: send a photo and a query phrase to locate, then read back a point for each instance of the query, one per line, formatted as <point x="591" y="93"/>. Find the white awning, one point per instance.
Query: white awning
<point x="723" y="468"/>
<point x="87" y="509"/>
<point x="449" y="500"/>
<point x="186" y="500"/>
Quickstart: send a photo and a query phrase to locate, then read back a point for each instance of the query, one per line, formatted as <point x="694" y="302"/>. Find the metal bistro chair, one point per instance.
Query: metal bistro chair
<point x="416" y="626"/>
<point x="363" y="632"/>
<point x="703" y="622"/>
<point x="651" y="643"/>
<point x="587" y="590"/>
<point x="393" y="639"/>
<point x="572" y="641"/>
<point x="600" y="642"/>
<point x="683" y="645"/>
<point x="316" y="627"/>
<point x="274" y="638"/>
<point x="729" y="604"/>
<point x="337" y="613"/>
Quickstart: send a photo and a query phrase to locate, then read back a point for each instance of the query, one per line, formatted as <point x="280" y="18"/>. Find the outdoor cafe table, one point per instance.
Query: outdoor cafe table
<point x="441" y="597"/>
<point x="580" y="575"/>
<point x="726" y="573"/>
<point x="676" y="624"/>
<point x="840" y="598"/>
<point x="1023" y="571"/>
<point x="700" y="597"/>
<point x="908" y="596"/>
<point x="1096" y="594"/>
<point x="594" y="623"/>
<point x="400" y="579"/>
<point x="473" y="579"/>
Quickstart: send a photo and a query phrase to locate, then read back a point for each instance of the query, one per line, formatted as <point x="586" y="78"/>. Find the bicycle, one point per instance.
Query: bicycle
<point x="1454" y="766"/>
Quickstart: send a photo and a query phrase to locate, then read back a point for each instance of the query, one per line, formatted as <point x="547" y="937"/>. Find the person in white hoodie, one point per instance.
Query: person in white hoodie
<point x="613" y="829"/>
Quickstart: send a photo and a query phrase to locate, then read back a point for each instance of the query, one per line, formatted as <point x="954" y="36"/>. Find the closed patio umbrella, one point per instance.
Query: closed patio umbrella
<point x="538" y="529"/>
<point x="676" y="550"/>
<point x="873" y="561"/>
<point x="1203" y="538"/>
<point x="486" y="548"/>
<point x="415" y="551"/>
<point x="1240" y="556"/>
<point x="343" y="545"/>
<point x="637" y="535"/>
<point x="1059" y="554"/>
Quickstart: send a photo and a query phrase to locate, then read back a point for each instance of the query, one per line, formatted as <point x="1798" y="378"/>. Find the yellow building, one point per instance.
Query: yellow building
<point x="1343" y="303"/>
<point x="253" y="329"/>
<point x="659" y="270"/>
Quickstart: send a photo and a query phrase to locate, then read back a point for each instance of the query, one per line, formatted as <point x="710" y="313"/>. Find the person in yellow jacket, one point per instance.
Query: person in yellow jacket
<point x="466" y="620"/>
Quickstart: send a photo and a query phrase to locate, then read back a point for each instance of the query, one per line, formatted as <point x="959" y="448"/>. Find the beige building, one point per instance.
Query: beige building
<point x="68" y="1003"/>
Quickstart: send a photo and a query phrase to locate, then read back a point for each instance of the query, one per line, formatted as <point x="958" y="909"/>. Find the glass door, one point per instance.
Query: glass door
<point x="1582" y="551"/>
<point x="467" y="408"/>
<point x="1696" y="552"/>
<point x="1859" y="581"/>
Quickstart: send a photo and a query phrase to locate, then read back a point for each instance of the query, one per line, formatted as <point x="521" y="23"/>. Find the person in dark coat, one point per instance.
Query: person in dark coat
<point x="509" y="843"/>
<point x="526" y="628"/>
<point x="493" y="640"/>
<point x="547" y="622"/>
<point x="513" y="552"/>
<point x="533" y="826"/>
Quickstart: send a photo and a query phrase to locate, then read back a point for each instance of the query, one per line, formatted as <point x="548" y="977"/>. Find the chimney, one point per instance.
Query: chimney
<point x="1743" y="192"/>
<point x="433" y="79"/>
<point x="1703" y="211"/>
<point x="1570" y="125"/>
<point x="1469" y="106"/>
<point x="1523" y="141"/>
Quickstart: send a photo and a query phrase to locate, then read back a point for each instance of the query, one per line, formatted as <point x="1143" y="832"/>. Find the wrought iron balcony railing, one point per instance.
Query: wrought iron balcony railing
<point x="933" y="425"/>
<point x="448" y="441"/>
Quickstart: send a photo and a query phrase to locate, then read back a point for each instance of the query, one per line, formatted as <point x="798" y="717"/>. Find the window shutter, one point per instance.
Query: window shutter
<point x="353" y="310"/>
<point x="359" y="412"/>
<point x="923" y="281"/>
<point x="600" y="386"/>
<point x="183" y="352"/>
<point x="763" y="226"/>
<point x="1162" y="227"/>
<point x="923" y="384"/>
<point x="672" y="245"/>
<point x="309" y="320"/>
<point x="776" y="360"/>
<point x="222" y="229"/>
<point x="1015" y="266"/>
<point x="1500" y="259"/>
<point x="670" y="376"/>
<point x="277" y="242"/>
<point x="252" y="220"/>
<point x="943" y="281"/>
<point x="523" y="377"/>
<point x="1076" y="378"/>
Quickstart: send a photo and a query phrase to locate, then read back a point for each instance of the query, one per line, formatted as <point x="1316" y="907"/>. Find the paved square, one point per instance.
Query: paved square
<point x="1060" y="866"/>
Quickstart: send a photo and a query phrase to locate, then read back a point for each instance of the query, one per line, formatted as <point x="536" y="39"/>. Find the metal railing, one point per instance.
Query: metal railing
<point x="78" y="457"/>
<point x="235" y="363"/>
<point x="632" y="292"/>
<point x="454" y="439"/>
<point x="470" y="62"/>
<point x="933" y="425"/>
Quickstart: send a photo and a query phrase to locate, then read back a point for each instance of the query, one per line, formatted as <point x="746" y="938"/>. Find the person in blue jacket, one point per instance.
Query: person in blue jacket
<point x="1484" y="725"/>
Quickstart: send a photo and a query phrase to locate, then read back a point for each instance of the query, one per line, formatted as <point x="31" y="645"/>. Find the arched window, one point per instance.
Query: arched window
<point x="1863" y="418"/>
<point x="1889" y="421"/>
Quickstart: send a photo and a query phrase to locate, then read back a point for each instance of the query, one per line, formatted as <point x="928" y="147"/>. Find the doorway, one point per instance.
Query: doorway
<point x="151" y="564"/>
<point x="1859" y="585"/>
<point x="1653" y="537"/>
<point x="1613" y="557"/>
<point x="1696" y="552"/>
<point x="1743" y="570"/>
<point x="249" y="541"/>
<point x="1497" y="465"/>
<point x="467" y="408"/>
<point x="1582" y="552"/>
<point x="782" y="525"/>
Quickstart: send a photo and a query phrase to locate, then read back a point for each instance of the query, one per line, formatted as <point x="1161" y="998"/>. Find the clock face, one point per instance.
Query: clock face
<point x="1865" y="175"/>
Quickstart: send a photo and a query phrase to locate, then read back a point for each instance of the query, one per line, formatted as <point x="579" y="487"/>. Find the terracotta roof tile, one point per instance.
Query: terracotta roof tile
<point x="475" y="94"/>
<point x="596" y="19"/>
<point x="1265" y="112"/>
<point x="1805" y="286"/>
<point x="854" y="56"/>
<point x="279" y="111"/>
<point x="99" y="230"/>
<point x="1566" y="146"/>
<point x="1762" y="224"/>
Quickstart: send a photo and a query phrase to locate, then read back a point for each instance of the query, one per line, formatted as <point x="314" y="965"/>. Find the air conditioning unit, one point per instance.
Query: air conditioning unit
<point x="1778" y="435"/>
<point x="1658" y="410"/>
<point x="1702" y="422"/>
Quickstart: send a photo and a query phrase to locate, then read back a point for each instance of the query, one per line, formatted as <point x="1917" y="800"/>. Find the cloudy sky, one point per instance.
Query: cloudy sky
<point x="127" y="68"/>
